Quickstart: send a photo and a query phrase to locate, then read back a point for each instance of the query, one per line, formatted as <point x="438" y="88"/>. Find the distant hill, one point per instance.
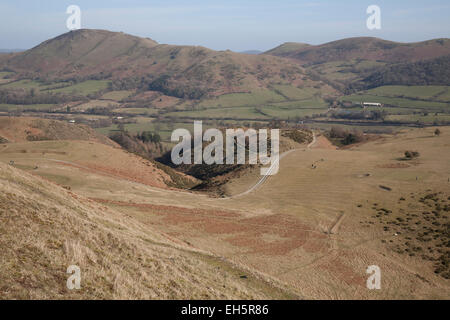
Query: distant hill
<point x="251" y="52"/>
<point x="428" y="72"/>
<point x="366" y="62"/>
<point x="365" y="48"/>
<point x="79" y="50"/>
<point x="195" y="73"/>
<point x="181" y="71"/>
<point x="287" y="48"/>
<point x="11" y="50"/>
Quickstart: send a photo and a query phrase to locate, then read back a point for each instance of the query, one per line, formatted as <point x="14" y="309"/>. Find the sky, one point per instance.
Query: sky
<point x="237" y="25"/>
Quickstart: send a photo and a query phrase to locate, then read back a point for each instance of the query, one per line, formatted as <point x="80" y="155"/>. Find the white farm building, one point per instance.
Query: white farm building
<point x="371" y="104"/>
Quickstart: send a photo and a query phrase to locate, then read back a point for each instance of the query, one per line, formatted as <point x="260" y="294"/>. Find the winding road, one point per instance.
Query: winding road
<point x="271" y="169"/>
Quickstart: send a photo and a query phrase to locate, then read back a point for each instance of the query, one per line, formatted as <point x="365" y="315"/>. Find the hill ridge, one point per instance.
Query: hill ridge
<point x="371" y="48"/>
<point x="180" y="71"/>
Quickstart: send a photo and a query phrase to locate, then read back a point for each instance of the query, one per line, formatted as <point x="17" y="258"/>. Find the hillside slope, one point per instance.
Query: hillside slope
<point x="15" y="129"/>
<point x="366" y="48"/>
<point x="80" y="146"/>
<point x="429" y="72"/>
<point x="132" y="62"/>
<point x="45" y="229"/>
<point x="287" y="48"/>
<point x="361" y="63"/>
<point x="81" y="49"/>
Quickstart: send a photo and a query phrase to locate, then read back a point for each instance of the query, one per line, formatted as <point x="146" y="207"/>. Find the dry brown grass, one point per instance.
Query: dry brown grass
<point x="44" y="229"/>
<point x="89" y="157"/>
<point x="24" y="129"/>
<point x="281" y="232"/>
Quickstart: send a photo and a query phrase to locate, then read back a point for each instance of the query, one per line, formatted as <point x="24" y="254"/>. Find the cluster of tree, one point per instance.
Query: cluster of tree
<point x="428" y="72"/>
<point x="411" y="154"/>
<point x="29" y="97"/>
<point x="135" y="144"/>
<point x="148" y="136"/>
<point x="3" y="140"/>
<point x="345" y="137"/>
<point x="170" y="87"/>
<point x="124" y="84"/>
<point x="375" y="115"/>
<point x="299" y="136"/>
<point x="100" y="123"/>
<point x="164" y="84"/>
<point x="204" y="172"/>
<point x="105" y="111"/>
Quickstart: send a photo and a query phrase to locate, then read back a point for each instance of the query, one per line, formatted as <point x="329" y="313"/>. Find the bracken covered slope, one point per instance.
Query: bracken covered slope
<point x="182" y="71"/>
<point x="365" y="48"/>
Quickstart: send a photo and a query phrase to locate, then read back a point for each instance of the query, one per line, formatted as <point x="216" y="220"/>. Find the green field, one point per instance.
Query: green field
<point x="286" y="113"/>
<point x="306" y="104"/>
<point x="298" y="97"/>
<point x="255" y="98"/>
<point x="32" y="107"/>
<point x="428" y="119"/>
<point x="345" y="70"/>
<point x="250" y="113"/>
<point x="24" y="84"/>
<point x="397" y="110"/>
<point x="83" y="88"/>
<point x="334" y="71"/>
<point x="117" y="95"/>
<point x="399" y="102"/>
<point x="136" y="111"/>
<point x="431" y="93"/>
<point x="294" y="93"/>
<point x="221" y="113"/>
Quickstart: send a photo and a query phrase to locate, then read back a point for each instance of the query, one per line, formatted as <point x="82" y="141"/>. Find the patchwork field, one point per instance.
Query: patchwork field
<point x="399" y="102"/>
<point x="82" y="88"/>
<point x="345" y="70"/>
<point x="34" y="107"/>
<point x="410" y="96"/>
<point x="408" y="104"/>
<point x="438" y="93"/>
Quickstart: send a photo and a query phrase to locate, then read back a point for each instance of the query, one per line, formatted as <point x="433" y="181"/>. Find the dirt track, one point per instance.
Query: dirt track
<point x="318" y="143"/>
<point x="323" y="143"/>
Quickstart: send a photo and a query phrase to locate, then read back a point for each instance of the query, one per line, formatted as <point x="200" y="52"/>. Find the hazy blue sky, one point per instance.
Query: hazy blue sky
<point x="232" y="24"/>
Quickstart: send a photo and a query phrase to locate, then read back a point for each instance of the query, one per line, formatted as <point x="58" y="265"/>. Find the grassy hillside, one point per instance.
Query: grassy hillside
<point x="31" y="129"/>
<point x="372" y="49"/>
<point x="430" y="72"/>
<point x="45" y="229"/>
<point x="312" y="229"/>
<point x="81" y="147"/>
